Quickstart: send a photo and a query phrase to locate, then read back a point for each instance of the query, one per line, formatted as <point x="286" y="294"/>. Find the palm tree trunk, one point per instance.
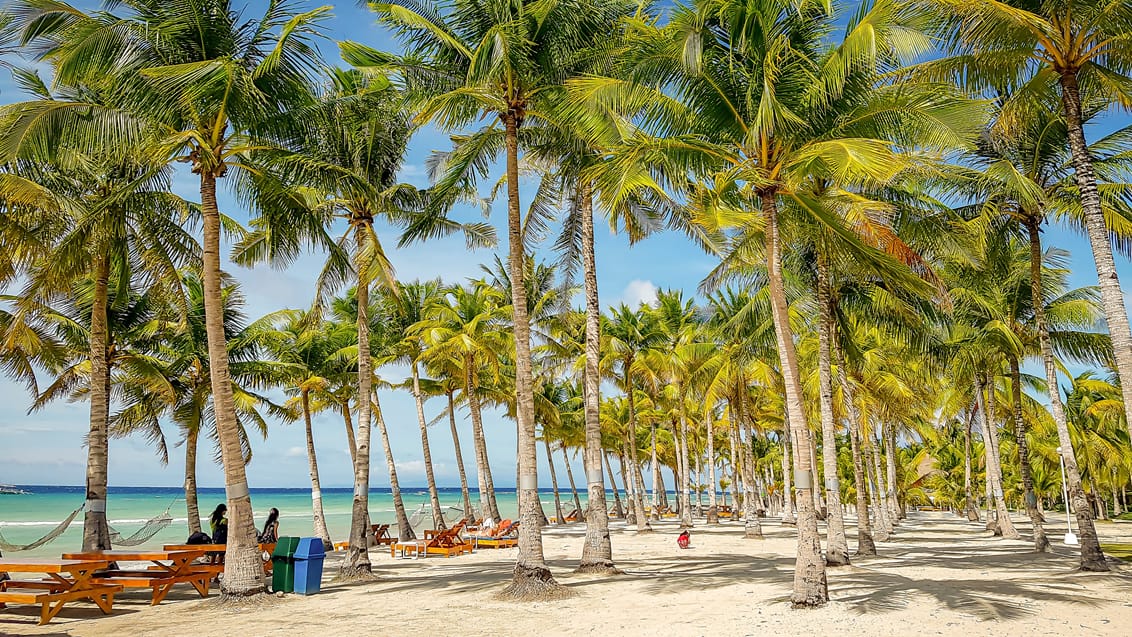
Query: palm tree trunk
<point x="884" y="528"/>
<point x="752" y="525"/>
<point x="1112" y="298"/>
<point x="96" y="531"/>
<point x="1004" y="526"/>
<point x="819" y="501"/>
<point x="865" y="543"/>
<point x="357" y="564"/>
<point x="968" y="491"/>
<point x="1092" y="559"/>
<point x="699" y="486"/>
<point x="1041" y="543"/>
<point x="618" y="510"/>
<point x="243" y="566"/>
<point x="640" y="516"/>
<point x="787" y="487"/>
<point x="430" y="477"/>
<point x="654" y="503"/>
<point x="351" y="440"/>
<point x="320" y="530"/>
<point x="570" y="479"/>
<point x="560" y="518"/>
<point x="531" y="576"/>
<point x="192" y="508"/>
<point x="837" y="545"/>
<point x="404" y="529"/>
<point x="469" y="512"/>
<point x="889" y="433"/>
<point x="686" y="479"/>
<point x="810" y="586"/>
<point x="488" y="506"/>
<point x="713" y="508"/>
<point x="630" y="488"/>
<point x="597" y="550"/>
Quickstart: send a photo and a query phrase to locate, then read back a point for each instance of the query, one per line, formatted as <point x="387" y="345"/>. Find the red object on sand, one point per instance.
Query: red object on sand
<point x="684" y="540"/>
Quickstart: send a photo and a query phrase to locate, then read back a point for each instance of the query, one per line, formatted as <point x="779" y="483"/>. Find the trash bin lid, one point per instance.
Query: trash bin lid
<point x="285" y="547"/>
<point x="310" y="547"/>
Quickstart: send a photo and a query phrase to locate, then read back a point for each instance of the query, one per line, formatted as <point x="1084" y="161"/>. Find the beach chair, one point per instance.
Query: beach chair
<point x="381" y="534"/>
<point x="504" y="536"/>
<point x="446" y="542"/>
<point x="569" y="517"/>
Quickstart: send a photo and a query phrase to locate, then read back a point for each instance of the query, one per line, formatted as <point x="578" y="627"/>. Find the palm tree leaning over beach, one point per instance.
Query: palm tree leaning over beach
<point x="467" y="59"/>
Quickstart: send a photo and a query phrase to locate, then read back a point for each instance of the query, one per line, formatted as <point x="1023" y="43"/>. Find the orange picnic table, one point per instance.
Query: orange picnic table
<point x="167" y="569"/>
<point x="68" y="580"/>
<point x="216" y="568"/>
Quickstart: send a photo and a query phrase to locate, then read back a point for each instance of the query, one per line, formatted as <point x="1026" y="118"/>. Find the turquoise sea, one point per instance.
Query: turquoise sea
<point x="26" y="518"/>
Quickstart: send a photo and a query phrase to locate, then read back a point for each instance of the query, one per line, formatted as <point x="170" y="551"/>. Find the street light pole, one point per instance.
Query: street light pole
<point x="1070" y="539"/>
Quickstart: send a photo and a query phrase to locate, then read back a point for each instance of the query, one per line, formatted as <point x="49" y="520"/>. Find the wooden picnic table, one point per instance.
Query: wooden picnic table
<point x="68" y="580"/>
<point x="168" y="568"/>
<point x="216" y="567"/>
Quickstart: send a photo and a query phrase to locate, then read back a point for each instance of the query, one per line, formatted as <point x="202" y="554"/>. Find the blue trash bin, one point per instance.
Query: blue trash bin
<point x="308" y="565"/>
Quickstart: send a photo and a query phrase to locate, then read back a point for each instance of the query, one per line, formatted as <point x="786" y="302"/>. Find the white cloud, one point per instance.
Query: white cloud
<point x="295" y="452"/>
<point x="638" y="292"/>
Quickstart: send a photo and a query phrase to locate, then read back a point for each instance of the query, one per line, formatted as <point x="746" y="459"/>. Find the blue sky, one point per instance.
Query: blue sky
<point x="47" y="447"/>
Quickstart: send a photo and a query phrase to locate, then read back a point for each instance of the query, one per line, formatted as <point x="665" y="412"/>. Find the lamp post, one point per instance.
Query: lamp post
<point x="1070" y="539"/>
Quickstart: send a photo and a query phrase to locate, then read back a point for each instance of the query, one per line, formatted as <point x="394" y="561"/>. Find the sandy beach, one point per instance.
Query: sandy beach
<point x="938" y="576"/>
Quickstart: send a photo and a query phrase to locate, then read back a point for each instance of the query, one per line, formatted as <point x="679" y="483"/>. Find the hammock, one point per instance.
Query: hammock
<point x="148" y="530"/>
<point x="142" y="535"/>
<point x="51" y="535"/>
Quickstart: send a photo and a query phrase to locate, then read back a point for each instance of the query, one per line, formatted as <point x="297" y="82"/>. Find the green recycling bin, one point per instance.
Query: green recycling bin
<point x="283" y="565"/>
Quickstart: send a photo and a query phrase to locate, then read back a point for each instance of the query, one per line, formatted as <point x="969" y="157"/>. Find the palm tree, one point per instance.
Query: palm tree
<point x="631" y="334"/>
<point x="176" y="382"/>
<point x="1080" y="50"/>
<point x="743" y="97"/>
<point x="75" y="210"/>
<point x="500" y="58"/>
<point x="314" y="351"/>
<point x="216" y="94"/>
<point x="465" y="334"/>
<point x="409" y="306"/>
<point x="1024" y="174"/>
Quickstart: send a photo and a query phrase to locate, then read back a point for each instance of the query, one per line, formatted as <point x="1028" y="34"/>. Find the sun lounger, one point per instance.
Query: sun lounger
<point x="446" y="542"/>
<point x="569" y="517"/>
<point x="504" y="537"/>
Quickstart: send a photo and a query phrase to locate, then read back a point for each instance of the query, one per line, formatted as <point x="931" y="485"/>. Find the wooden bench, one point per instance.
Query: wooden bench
<point x="445" y="542"/>
<point x="169" y="569"/>
<point x="160" y="581"/>
<point x="69" y="580"/>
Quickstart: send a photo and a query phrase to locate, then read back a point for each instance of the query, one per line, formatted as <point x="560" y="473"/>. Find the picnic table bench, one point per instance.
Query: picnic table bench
<point x="68" y="580"/>
<point x="168" y="569"/>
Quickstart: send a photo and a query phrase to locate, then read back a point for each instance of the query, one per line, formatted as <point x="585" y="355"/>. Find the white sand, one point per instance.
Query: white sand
<point x="938" y="576"/>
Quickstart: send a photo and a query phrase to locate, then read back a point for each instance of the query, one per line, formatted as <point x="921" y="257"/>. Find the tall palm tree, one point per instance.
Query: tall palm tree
<point x="743" y="95"/>
<point x="176" y="385"/>
<point x="409" y="306"/>
<point x="313" y="349"/>
<point x="499" y="58"/>
<point x="217" y="91"/>
<point x="75" y="210"/>
<point x="1024" y="173"/>
<point x="1079" y="49"/>
<point x="466" y="334"/>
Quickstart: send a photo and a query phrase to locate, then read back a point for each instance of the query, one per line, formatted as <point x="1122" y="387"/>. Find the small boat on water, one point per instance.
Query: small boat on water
<point x="8" y="489"/>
